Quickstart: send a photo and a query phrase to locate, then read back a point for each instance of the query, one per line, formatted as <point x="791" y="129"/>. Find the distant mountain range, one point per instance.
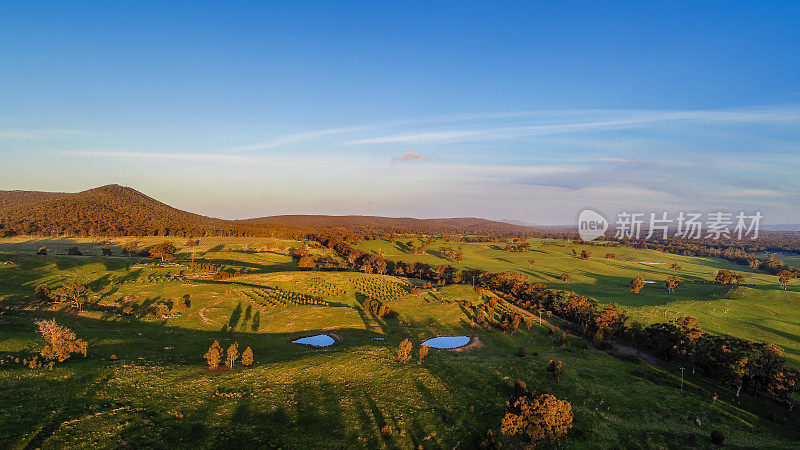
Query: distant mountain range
<point x="115" y="210"/>
<point x="782" y="227"/>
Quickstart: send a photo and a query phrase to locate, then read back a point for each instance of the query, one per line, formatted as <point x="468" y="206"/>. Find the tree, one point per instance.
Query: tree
<point x="60" y="342"/>
<point x="423" y="352"/>
<point x="611" y="256"/>
<point x="306" y="262"/>
<point x="233" y="353"/>
<point x="247" y="357"/>
<point x="565" y="277"/>
<point x="636" y="284"/>
<point x="192" y="244"/>
<point x="164" y="251"/>
<point x="586" y="254"/>
<point x="42" y="251"/>
<point x="556" y="369"/>
<point x="531" y="262"/>
<point x="214" y="355"/>
<point x="537" y="418"/>
<point x="73" y="291"/>
<point x="675" y="266"/>
<point x="106" y="250"/>
<point x="74" y="251"/>
<point x="728" y="277"/>
<point x="784" y="276"/>
<point x="672" y="283"/>
<point x="404" y="354"/>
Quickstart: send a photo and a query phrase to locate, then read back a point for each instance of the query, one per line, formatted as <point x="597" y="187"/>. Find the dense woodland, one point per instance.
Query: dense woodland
<point x="115" y="210"/>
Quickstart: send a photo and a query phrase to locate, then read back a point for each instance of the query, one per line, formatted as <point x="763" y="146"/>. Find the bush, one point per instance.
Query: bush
<point x="247" y="357"/>
<point x="521" y="351"/>
<point x="74" y="251"/>
<point x="42" y="251"/>
<point x="214" y="355"/>
<point x="60" y="341"/>
<point x="537" y="418"/>
<point x="717" y="437"/>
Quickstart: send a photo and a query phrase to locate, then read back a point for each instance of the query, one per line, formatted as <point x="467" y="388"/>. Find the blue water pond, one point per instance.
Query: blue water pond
<point x="319" y="340"/>
<point x="447" y="342"/>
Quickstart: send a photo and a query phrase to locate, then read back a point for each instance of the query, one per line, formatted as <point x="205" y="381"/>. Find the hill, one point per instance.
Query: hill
<point x="115" y="210"/>
<point x="468" y="225"/>
<point x="111" y="210"/>
<point x="10" y="199"/>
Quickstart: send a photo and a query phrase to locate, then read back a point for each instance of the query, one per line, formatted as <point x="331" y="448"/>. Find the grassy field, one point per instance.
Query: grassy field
<point x="159" y="393"/>
<point x="759" y="310"/>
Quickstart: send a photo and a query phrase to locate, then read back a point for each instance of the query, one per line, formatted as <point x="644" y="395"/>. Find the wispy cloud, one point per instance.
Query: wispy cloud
<point x="37" y="134"/>
<point x="587" y="121"/>
<point x="411" y="156"/>
<point x="293" y="139"/>
<point x="469" y="127"/>
<point x="188" y="158"/>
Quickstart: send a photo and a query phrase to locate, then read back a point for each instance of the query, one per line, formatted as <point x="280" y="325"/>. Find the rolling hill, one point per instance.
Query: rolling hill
<point x="115" y="210"/>
<point x="468" y="225"/>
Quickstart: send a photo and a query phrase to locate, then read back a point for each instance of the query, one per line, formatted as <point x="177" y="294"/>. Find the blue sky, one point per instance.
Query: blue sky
<point x="523" y="110"/>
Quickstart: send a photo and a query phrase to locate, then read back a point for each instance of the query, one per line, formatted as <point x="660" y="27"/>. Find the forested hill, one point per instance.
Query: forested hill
<point x="110" y="210"/>
<point x="9" y="199"/>
<point x="115" y="210"/>
<point x="463" y="225"/>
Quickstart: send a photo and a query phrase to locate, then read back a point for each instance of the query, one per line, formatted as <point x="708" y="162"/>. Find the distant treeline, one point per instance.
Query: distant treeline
<point x="739" y="252"/>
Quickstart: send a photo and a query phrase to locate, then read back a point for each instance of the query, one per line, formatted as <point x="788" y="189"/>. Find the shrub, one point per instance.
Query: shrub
<point x="404" y="354"/>
<point x="233" y="353"/>
<point x="74" y="251"/>
<point x="42" y="251"/>
<point x="537" y="418"/>
<point x="214" y="355"/>
<point x="565" y="277"/>
<point x="60" y="341"/>
<point x="423" y="352"/>
<point x="247" y="357"/>
<point x="717" y="437"/>
<point x="521" y="351"/>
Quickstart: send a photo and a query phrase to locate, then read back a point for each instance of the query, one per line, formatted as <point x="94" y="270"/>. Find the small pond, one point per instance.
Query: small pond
<point x="447" y="341"/>
<point x="319" y="340"/>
